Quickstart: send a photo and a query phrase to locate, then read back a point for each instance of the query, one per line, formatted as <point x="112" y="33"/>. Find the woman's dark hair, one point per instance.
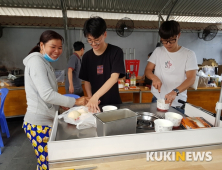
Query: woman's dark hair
<point x="169" y="29"/>
<point x="78" y="45"/>
<point x="95" y="26"/>
<point x="45" y="37"/>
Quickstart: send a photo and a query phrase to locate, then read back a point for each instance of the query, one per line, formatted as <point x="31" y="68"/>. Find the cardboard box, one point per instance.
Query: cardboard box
<point x="219" y="70"/>
<point x="209" y="62"/>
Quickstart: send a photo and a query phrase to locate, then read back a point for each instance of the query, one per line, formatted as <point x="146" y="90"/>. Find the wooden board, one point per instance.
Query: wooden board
<point x="142" y="164"/>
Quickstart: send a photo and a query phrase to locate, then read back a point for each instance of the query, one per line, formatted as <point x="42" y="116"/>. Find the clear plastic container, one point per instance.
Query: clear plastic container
<point x="133" y="80"/>
<point x="60" y="75"/>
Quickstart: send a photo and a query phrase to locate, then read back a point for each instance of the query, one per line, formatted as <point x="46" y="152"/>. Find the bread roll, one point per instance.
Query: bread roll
<point x="81" y="111"/>
<point x="73" y="114"/>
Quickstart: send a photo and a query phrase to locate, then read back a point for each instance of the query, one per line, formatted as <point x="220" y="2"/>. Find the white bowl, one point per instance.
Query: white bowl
<point x="108" y="108"/>
<point x="161" y="106"/>
<point x="162" y="125"/>
<point x="175" y="118"/>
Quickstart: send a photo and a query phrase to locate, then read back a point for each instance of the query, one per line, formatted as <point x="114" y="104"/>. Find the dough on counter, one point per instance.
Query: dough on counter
<point x="73" y="114"/>
<point x="81" y="111"/>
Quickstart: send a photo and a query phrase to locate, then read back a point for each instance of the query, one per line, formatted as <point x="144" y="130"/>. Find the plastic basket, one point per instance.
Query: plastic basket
<point x="132" y="66"/>
<point x="72" y="95"/>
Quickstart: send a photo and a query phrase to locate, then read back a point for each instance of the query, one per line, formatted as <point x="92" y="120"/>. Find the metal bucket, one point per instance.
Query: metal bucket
<point x="116" y="122"/>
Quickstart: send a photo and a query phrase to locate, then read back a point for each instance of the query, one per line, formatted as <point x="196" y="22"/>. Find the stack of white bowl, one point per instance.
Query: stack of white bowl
<point x="171" y="120"/>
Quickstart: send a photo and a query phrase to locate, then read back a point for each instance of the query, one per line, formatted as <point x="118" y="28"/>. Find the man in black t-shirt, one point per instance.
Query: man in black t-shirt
<point x="101" y="67"/>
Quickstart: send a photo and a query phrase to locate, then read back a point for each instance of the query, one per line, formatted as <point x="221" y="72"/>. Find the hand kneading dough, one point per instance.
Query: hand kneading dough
<point x="74" y="114"/>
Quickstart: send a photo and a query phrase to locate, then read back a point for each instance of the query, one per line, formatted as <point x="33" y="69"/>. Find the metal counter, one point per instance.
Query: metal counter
<point x="68" y="146"/>
<point x="67" y="131"/>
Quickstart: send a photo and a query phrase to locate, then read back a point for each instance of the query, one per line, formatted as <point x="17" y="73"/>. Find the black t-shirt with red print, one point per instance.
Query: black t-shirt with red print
<point x="98" y="69"/>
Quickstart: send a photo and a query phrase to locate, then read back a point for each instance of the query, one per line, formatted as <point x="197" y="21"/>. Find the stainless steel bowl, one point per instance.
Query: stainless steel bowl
<point x="145" y="120"/>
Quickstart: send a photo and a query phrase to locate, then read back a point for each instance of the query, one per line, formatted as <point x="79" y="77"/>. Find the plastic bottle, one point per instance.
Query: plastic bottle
<point x="127" y="81"/>
<point x="133" y="80"/>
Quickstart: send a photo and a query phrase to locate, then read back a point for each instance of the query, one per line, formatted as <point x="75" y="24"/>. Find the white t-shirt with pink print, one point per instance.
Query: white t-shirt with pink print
<point x="170" y="68"/>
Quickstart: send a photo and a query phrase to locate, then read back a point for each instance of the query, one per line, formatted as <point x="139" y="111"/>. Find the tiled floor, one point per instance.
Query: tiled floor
<point x="18" y="153"/>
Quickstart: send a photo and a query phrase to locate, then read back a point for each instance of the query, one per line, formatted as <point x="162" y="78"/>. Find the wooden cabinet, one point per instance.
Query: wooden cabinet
<point x="15" y="103"/>
<point x="62" y="90"/>
<point x="205" y="99"/>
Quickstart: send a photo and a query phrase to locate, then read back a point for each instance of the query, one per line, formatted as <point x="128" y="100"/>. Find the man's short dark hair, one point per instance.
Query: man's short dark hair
<point x="169" y="29"/>
<point x="78" y="45"/>
<point x="95" y="26"/>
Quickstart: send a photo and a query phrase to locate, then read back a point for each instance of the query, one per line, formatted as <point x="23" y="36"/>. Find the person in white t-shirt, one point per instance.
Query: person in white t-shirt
<point x="175" y="66"/>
